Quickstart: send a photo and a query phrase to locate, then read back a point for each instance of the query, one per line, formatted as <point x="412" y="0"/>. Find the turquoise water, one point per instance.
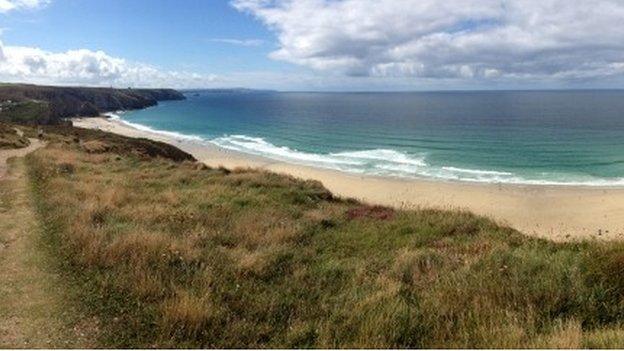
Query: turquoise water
<point x="534" y="137"/>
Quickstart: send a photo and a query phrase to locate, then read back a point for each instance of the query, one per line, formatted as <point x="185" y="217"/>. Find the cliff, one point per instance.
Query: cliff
<point x="51" y="104"/>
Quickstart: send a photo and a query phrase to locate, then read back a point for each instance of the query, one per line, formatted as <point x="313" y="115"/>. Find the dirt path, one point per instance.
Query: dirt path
<point x="7" y="154"/>
<point x="34" y="310"/>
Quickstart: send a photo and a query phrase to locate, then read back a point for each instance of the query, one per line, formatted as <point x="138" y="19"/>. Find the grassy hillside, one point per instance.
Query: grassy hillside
<point x="24" y="112"/>
<point x="29" y="104"/>
<point x="173" y="254"/>
<point x="10" y="139"/>
<point x="95" y="141"/>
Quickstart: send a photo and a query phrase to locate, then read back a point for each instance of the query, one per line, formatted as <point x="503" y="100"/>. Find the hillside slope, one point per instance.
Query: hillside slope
<point x="23" y="103"/>
<point x="176" y="254"/>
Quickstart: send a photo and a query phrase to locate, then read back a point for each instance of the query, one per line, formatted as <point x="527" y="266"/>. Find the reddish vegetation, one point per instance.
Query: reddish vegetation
<point x="375" y="212"/>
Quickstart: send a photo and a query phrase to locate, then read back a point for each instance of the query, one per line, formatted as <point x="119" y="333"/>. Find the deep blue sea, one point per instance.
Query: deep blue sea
<point x="529" y="137"/>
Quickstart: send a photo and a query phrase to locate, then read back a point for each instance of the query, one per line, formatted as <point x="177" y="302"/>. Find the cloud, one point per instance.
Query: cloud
<point x="86" y="67"/>
<point x="469" y="40"/>
<point x="10" y="5"/>
<point x="240" y="42"/>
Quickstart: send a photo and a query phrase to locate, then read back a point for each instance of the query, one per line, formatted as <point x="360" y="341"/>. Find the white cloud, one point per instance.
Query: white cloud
<point x="86" y="67"/>
<point x="10" y="5"/>
<point x="469" y="40"/>
<point x="240" y="42"/>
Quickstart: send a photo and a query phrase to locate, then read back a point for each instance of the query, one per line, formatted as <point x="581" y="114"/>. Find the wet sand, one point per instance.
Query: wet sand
<point x="560" y="213"/>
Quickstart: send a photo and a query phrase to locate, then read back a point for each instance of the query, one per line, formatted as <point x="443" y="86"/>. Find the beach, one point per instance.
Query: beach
<point x="559" y="213"/>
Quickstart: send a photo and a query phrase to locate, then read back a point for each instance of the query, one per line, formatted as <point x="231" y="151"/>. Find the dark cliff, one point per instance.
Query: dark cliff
<point x="48" y="105"/>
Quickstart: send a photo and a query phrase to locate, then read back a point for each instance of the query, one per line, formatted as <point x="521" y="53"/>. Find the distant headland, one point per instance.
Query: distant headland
<point x="26" y="103"/>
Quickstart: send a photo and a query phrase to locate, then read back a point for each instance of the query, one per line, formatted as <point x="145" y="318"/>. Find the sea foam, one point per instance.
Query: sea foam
<point x="363" y="161"/>
<point x="115" y="116"/>
<point x="386" y="162"/>
<point x="379" y="162"/>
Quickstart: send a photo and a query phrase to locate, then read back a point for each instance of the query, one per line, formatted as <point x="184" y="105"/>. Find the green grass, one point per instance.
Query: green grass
<point x="171" y="254"/>
<point x="24" y="112"/>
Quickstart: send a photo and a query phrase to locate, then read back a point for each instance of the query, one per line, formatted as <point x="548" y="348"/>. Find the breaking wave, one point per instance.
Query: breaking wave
<point x="385" y="162"/>
<point x="378" y="162"/>
<point x="115" y="116"/>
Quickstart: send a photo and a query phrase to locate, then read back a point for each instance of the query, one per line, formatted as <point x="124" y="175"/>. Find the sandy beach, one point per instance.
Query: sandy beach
<point x="558" y="213"/>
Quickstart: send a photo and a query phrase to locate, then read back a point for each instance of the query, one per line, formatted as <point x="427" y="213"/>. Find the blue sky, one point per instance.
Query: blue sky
<point x="315" y="44"/>
<point x="162" y="33"/>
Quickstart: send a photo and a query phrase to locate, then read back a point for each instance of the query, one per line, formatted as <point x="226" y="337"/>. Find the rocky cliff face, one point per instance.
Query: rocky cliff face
<point x="65" y="102"/>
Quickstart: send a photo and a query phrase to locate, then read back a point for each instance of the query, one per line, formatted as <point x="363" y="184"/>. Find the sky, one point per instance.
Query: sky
<point x="325" y="45"/>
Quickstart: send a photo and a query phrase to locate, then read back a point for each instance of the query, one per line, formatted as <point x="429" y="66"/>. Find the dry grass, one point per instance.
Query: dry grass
<point x="10" y="139"/>
<point x="176" y="255"/>
<point x="35" y="309"/>
<point x="95" y="146"/>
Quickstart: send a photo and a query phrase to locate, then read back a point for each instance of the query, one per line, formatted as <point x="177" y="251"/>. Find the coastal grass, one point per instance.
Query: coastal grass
<point x="10" y="138"/>
<point x="27" y="112"/>
<point x="177" y="254"/>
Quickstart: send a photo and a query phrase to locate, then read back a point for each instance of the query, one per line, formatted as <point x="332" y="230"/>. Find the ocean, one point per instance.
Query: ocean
<point x="522" y="137"/>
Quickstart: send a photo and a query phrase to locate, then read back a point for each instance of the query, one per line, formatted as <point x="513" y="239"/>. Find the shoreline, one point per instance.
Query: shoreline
<point x="556" y="212"/>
